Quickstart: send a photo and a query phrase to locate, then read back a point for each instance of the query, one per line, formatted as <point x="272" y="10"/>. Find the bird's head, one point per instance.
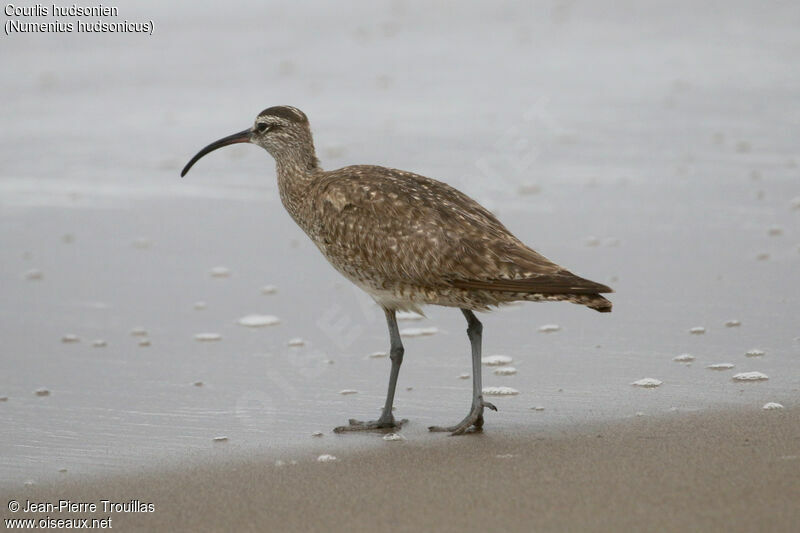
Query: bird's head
<point x="283" y="131"/>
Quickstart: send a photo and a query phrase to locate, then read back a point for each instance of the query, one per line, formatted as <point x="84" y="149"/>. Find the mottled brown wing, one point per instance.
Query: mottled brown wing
<point x="395" y="225"/>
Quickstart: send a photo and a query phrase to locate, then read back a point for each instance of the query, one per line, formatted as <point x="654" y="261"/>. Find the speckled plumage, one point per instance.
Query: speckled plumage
<point x="408" y="241"/>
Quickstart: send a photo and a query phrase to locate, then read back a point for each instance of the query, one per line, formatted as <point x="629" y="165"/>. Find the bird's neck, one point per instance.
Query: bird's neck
<point x="296" y="171"/>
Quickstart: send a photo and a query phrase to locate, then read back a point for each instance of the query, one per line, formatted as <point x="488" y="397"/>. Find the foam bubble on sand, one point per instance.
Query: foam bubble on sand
<point x="499" y="391"/>
<point x="419" y="332"/>
<point x="316" y="434"/>
<point x="257" y="321"/>
<point x="139" y="332"/>
<point x="144" y="342"/>
<point x="504" y="455"/>
<point x="393" y="437"/>
<point x="42" y="392"/>
<point x="549" y="328"/>
<point x="647" y="383"/>
<point x="348" y="391"/>
<point x="537" y="408"/>
<point x="70" y="338"/>
<point x="769" y="406"/>
<point x="269" y="289"/>
<point x="34" y="274"/>
<point x="99" y="343"/>
<point x="207" y="337"/>
<point x="720" y="366"/>
<point x="221" y="438"/>
<point x="220" y="272"/>
<point x="377" y="355"/>
<point x="775" y="231"/>
<point x="463" y="376"/>
<point x="750" y="376"/>
<point x="697" y="330"/>
<point x="326" y="458"/>
<point x="408" y="316"/>
<point x="497" y="360"/>
<point x="200" y="305"/>
<point x="527" y="189"/>
<point x="755" y="352"/>
<point x="733" y="323"/>
<point x="684" y="358"/>
<point x="505" y="371"/>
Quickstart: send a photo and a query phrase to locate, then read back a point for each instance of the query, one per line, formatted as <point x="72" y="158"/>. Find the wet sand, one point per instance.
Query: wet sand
<point x="735" y="470"/>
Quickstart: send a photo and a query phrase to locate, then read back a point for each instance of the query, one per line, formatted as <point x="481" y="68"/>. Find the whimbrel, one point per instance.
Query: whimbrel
<point x="408" y="241"/>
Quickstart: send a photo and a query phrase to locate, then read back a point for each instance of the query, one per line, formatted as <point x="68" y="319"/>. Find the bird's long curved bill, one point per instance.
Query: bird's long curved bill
<point x="241" y="137"/>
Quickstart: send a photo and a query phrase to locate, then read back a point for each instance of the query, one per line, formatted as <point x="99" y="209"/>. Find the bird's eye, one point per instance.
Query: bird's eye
<point x="263" y="127"/>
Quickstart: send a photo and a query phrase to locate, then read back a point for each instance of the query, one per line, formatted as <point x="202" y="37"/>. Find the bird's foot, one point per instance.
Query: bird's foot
<point x="473" y="422"/>
<point x="382" y="424"/>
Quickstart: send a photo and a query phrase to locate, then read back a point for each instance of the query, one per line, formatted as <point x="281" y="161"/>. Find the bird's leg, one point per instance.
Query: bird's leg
<point x="475" y="417"/>
<point x="386" y="420"/>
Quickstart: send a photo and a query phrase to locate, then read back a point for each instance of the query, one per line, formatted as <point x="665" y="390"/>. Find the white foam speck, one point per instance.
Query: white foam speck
<point x="144" y="342"/>
<point x="278" y="462"/>
<point x="755" y="352"/>
<point x="269" y="289"/>
<point x="348" y="391"/>
<point x="139" y="332"/>
<point x="497" y="360"/>
<point x="504" y="455"/>
<point x="392" y="437"/>
<point x="408" y="316"/>
<point x="537" y="408"/>
<point x="207" y="337"/>
<point x="647" y="383"/>
<point x="316" y="434"/>
<point x="257" y="321"/>
<point x="221" y="438"/>
<point x="772" y="405"/>
<point x="42" y="392"/>
<point x="505" y="371"/>
<point x="376" y="355"/>
<point x="750" y="376"/>
<point x="720" y="366"/>
<point x="62" y="470"/>
<point x="297" y="341"/>
<point x="500" y="391"/>
<point x="733" y="323"/>
<point x="419" y="332"/>
<point x="549" y="328"/>
<point x="326" y="458"/>
<point x="70" y="337"/>
<point x="698" y="330"/>
<point x="34" y="274"/>
<point x="220" y="272"/>
<point x="99" y="343"/>
<point x="684" y="358"/>
<point x="200" y="305"/>
<point x="463" y="376"/>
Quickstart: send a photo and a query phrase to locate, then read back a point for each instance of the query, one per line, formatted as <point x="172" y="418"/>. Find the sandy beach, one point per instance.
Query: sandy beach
<point x="715" y="471"/>
<point x="181" y="341"/>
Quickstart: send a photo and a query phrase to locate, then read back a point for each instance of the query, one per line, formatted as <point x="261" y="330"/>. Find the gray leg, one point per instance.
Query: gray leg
<point x="475" y="417"/>
<point x="386" y="420"/>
